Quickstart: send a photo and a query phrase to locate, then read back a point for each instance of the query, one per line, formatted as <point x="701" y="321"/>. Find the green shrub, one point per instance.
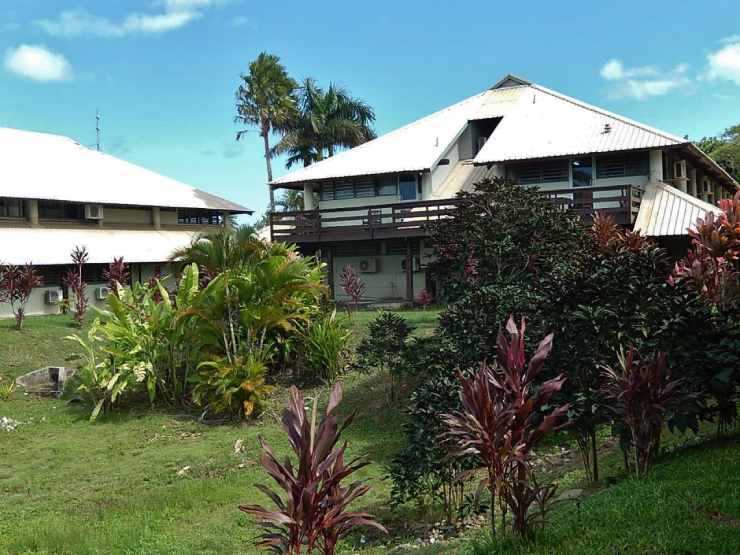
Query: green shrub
<point x="325" y="348"/>
<point x="384" y="346"/>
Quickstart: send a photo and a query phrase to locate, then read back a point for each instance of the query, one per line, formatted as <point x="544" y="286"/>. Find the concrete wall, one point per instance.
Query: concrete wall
<point x="127" y="216"/>
<point x="37" y="303"/>
<point x="388" y="283"/>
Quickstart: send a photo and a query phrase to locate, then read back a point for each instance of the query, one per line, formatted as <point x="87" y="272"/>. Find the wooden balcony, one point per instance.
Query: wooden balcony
<point x="377" y="221"/>
<point x="412" y="219"/>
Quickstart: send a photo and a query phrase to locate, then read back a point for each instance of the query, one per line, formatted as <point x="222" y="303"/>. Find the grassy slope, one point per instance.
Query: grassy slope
<point x="67" y="486"/>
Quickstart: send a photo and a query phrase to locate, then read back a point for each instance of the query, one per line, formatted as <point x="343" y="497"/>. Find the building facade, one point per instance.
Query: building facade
<point x="56" y="194"/>
<point x="369" y="206"/>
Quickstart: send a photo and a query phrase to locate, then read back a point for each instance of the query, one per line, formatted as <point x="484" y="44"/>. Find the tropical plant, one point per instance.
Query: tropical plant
<point x="504" y="414"/>
<point x="641" y="395"/>
<point x="313" y="514"/>
<point x="328" y="119"/>
<point x="117" y="275"/>
<point x="352" y="285"/>
<point x="16" y="285"/>
<point x="384" y="345"/>
<point x="225" y="249"/>
<point x="424" y="299"/>
<point x="712" y="266"/>
<point x="266" y="99"/>
<point x="6" y="390"/>
<point x="725" y="149"/>
<point x="74" y="281"/>
<point x="422" y="471"/>
<point x="325" y="346"/>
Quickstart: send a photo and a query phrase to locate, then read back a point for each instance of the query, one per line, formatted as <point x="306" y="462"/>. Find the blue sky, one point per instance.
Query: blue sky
<point x="163" y="72"/>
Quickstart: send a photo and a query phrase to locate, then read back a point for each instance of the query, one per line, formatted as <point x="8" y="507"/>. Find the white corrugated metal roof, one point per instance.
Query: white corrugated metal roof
<point x="52" y="167"/>
<point x="52" y="246"/>
<point x="545" y="123"/>
<point x="414" y="147"/>
<point x="537" y="123"/>
<point x="665" y="211"/>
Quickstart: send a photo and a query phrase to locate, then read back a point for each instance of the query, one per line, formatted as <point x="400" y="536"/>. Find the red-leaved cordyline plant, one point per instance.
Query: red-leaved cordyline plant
<point x="424" y="299"/>
<point x="641" y="393"/>
<point x="16" y="285"/>
<point x="116" y="274"/>
<point x="713" y="264"/>
<point x="74" y="281"/>
<point x="608" y="235"/>
<point x="314" y="513"/>
<point x="352" y="285"/>
<point x="155" y="278"/>
<point x="502" y="421"/>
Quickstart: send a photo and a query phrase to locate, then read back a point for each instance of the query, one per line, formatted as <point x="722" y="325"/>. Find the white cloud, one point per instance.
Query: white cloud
<point x="240" y="21"/>
<point x="37" y="63"/>
<point x="724" y="64"/>
<point x="174" y="14"/>
<point x="643" y="82"/>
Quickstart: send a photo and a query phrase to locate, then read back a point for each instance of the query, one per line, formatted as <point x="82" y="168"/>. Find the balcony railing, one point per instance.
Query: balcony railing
<point x="412" y="219"/>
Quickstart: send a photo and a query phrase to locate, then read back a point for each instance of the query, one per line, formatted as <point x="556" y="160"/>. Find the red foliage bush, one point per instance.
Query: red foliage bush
<point x="16" y="285"/>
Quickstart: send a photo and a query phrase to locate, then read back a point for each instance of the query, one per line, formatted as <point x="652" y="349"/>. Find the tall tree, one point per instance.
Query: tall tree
<point x="329" y="119"/>
<point x="725" y="150"/>
<point x="266" y="99"/>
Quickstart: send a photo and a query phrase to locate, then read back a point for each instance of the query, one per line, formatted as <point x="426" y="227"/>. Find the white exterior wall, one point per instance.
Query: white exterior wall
<point x="388" y="283"/>
<point x="440" y="173"/>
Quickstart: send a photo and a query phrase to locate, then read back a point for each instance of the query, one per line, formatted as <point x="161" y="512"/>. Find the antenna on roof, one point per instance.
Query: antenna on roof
<point x="97" y="130"/>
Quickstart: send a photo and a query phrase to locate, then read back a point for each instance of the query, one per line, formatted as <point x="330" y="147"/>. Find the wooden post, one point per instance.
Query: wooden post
<point x="330" y="270"/>
<point x="156" y="217"/>
<point x="409" y="272"/>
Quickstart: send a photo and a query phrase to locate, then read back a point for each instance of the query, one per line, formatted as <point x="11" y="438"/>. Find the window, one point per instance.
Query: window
<point x="626" y="165"/>
<point x="407" y="187"/>
<point x="54" y="210"/>
<point x="539" y="172"/>
<point x="583" y="172"/>
<point x="11" y="208"/>
<point x="343" y="190"/>
<point x="327" y="191"/>
<point x="388" y="186"/>
<point x="199" y="217"/>
<point x="365" y="188"/>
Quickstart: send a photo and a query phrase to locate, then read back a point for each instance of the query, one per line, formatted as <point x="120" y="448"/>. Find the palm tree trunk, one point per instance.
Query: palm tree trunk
<point x="268" y="162"/>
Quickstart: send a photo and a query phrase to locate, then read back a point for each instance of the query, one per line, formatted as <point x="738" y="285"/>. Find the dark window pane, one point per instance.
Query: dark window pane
<point x="388" y="185"/>
<point x="11" y="208"/>
<point x="583" y="172"/>
<point x="407" y="187"/>
<point x="343" y="191"/>
<point x="364" y="189"/>
<point x="327" y="191"/>
<point x="53" y="210"/>
<point x="199" y="217"/>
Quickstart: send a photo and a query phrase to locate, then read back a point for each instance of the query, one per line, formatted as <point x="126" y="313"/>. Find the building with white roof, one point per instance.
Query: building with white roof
<point x="368" y="206"/>
<point x="56" y="194"/>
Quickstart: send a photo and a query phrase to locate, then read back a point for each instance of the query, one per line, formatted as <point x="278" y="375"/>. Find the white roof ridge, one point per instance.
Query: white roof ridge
<point x="602" y="111"/>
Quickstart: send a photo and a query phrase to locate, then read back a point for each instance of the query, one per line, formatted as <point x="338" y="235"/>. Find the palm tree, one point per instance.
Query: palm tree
<point x="266" y="99"/>
<point x="329" y="119"/>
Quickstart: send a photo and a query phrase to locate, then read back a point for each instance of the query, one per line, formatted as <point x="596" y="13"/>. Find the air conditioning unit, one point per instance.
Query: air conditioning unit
<point x="93" y="211"/>
<point x="369" y="266"/>
<point x="54" y="296"/>
<point x="417" y="267"/>
<point x="101" y="293"/>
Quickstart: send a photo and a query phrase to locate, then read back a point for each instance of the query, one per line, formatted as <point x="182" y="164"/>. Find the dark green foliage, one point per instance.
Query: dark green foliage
<point x="725" y="149"/>
<point x="421" y="471"/>
<point x="384" y="346"/>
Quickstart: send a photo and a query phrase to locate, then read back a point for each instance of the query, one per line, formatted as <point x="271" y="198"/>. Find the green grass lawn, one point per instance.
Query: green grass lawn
<point x="68" y="486"/>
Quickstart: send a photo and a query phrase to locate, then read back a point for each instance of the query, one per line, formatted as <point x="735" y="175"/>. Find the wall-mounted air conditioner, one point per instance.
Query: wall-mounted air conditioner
<point x="93" y="211"/>
<point x="369" y="266"/>
<point x="54" y="296"/>
<point x="416" y="266"/>
<point x="101" y="293"/>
